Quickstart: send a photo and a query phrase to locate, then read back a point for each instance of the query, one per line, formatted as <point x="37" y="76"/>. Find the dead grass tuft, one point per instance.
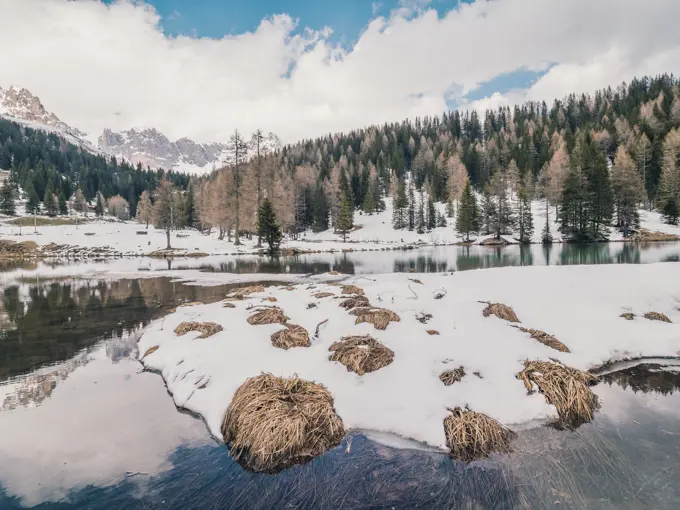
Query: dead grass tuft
<point x="452" y="376"/>
<point x="244" y="292"/>
<point x="355" y="302"/>
<point x="564" y="387"/>
<point x="657" y="316"/>
<point x="501" y="311"/>
<point x="192" y="303"/>
<point x="352" y="289"/>
<point x="150" y="350"/>
<point x="321" y="295"/>
<point x="228" y="305"/>
<point x="471" y="435"/>
<point x="545" y="339"/>
<point x="271" y="299"/>
<point x="292" y="336"/>
<point x="629" y="316"/>
<point x="267" y="316"/>
<point x="205" y="328"/>
<point x="379" y="317"/>
<point x="432" y="332"/>
<point x="361" y="354"/>
<point x="273" y="423"/>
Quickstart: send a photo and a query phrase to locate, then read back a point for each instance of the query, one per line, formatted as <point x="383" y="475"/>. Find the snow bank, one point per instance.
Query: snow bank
<point x="580" y="305"/>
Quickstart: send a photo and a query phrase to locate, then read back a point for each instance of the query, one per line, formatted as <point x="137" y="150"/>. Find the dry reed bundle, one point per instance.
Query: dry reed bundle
<point x="150" y="350"/>
<point x="379" y="317"/>
<point x="273" y="423"/>
<point x="321" y="295"/>
<point x="628" y="316"/>
<point x="355" y="302"/>
<point x="500" y="310"/>
<point x="657" y="316"/>
<point x="271" y="299"/>
<point x="432" y="332"/>
<point x="564" y="387"/>
<point x="205" y="328"/>
<point x="545" y="339"/>
<point x="292" y="336"/>
<point x="272" y="315"/>
<point x="452" y="376"/>
<point x="352" y="289"/>
<point x="471" y="435"/>
<point x="361" y="354"/>
<point x="244" y="292"/>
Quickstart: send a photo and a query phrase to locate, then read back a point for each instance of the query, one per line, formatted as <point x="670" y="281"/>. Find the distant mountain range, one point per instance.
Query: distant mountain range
<point x="147" y="146"/>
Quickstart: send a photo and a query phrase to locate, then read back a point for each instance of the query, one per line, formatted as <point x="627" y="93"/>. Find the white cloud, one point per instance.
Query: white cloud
<point x="102" y="66"/>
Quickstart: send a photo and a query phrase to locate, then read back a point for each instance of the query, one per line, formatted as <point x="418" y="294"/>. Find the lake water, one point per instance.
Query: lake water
<point x="82" y="426"/>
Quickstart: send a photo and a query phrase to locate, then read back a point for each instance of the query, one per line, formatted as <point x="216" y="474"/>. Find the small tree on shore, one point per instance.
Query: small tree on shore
<point x="267" y="227"/>
<point x="467" y="221"/>
<point x="166" y="210"/>
<point x="99" y="207"/>
<point x="345" y="221"/>
<point x="7" y="205"/>
<point x="145" y="209"/>
<point x="119" y="208"/>
<point x="79" y="203"/>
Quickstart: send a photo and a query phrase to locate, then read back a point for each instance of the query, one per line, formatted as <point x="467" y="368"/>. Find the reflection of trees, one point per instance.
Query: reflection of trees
<point x="421" y="264"/>
<point x="629" y="254"/>
<point x="486" y="257"/>
<point x="56" y="320"/>
<point x="591" y="253"/>
<point x="646" y="378"/>
<point x="276" y="265"/>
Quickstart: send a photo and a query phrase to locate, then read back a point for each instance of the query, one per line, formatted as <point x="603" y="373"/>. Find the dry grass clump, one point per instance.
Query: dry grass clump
<point x="292" y="336"/>
<point x="501" y="311"/>
<point x="379" y="317"/>
<point x="629" y="316"/>
<point x="452" y="376"/>
<point x="564" y="387"/>
<point x="288" y="287"/>
<point x="471" y="435"/>
<point x="656" y="316"/>
<point x="205" y="328"/>
<point x="352" y="289"/>
<point x="228" y="305"/>
<point x="192" y="303"/>
<point x="273" y="423"/>
<point x="361" y="354"/>
<point x="150" y="350"/>
<point x="271" y="299"/>
<point x="321" y="295"/>
<point x="355" y="302"/>
<point x="272" y="315"/>
<point x="432" y="332"/>
<point x="545" y="339"/>
<point x="244" y="292"/>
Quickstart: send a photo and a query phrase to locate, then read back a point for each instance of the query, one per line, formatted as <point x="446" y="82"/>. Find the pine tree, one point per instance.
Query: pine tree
<point x="79" y="203"/>
<point x="166" y="208"/>
<point x="488" y="211"/>
<point x="546" y="235"/>
<point x="369" y="204"/>
<point x="99" y="206"/>
<point x="7" y="205"/>
<point x="467" y="221"/>
<point x="320" y="211"/>
<point x="441" y="220"/>
<point x="399" y="204"/>
<point x="671" y="211"/>
<point x="524" y="218"/>
<point x="189" y="208"/>
<point x="63" y="208"/>
<point x="267" y="228"/>
<point x="449" y="209"/>
<point x="600" y="195"/>
<point x="411" y="204"/>
<point x="345" y="222"/>
<point x="51" y="205"/>
<point x="431" y="214"/>
<point x="32" y="200"/>
<point x="420" y="223"/>
<point x="503" y="219"/>
<point x="377" y="196"/>
<point x="628" y="191"/>
<point x="237" y="150"/>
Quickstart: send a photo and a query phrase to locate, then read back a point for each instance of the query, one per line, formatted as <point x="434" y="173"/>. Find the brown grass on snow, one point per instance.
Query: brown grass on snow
<point x="321" y="295"/>
<point x="288" y="287"/>
<point x="629" y="316"/>
<point x="452" y="376"/>
<point x="500" y="310"/>
<point x="271" y="299"/>
<point x="361" y="354"/>
<point x="432" y="332"/>
<point x="292" y="336"/>
<point x="243" y="292"/>
<point x="564" y="387"/>
<point x="355" y="302"/>
<point x="352" y="289"/>
<point x="150" y="350"/>
<point x="205" y="328"/>
<point x="379" y="317"/>
<point x="267" y="316"/>
<point x="657" y="316"/>
<point x="228" y="305"/>
<point x="273" y="423"/>
<point x="471" y="435"/>
<point x="545" y="339"/>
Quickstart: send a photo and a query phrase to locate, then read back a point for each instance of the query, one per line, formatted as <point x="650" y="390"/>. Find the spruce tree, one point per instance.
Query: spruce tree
<point x="63" y="208"/>
<point x="32" y="200"/>
<point x="51" y="206"/>
<point x="488" y="211"/>
<point x="99" y="207"/>
<point x="378" y="201"/>
<point x="399" y="204"/>
<point x="467" y="221"/>
<point x="524" y="218"/>
<point x="671" y="211"/>
<point x="420" y="220"/>
<point x="7" y="205"/>
<point x="431" y="214"/>
<point x="320" y="210"/>
<point x="449" y="209"/>
<point x="411" y="204"/>
<point x="441" y="220"/>
<point x="79" y="203"/>
<point x="267" y="227"/>
<point x="369" y="204"/>
<point x="345" y="222"/>
<point x="546" y="235"/>
<point x="189" y="208"/>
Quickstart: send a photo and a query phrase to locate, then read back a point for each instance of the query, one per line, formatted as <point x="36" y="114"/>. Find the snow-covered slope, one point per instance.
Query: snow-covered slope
<point x="22" y="106"/>
<point x="152" y="148"/>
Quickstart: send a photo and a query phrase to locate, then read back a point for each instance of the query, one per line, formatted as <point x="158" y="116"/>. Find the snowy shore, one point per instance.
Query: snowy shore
<point x="579" y="305"/>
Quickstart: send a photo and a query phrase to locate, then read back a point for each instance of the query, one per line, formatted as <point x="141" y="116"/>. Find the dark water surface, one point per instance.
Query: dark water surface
<point x="81" y="426"/>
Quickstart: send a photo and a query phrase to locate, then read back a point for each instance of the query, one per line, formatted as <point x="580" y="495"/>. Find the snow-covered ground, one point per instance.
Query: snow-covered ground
<point x="373" y="232"/>
<point x="580" y="305"/>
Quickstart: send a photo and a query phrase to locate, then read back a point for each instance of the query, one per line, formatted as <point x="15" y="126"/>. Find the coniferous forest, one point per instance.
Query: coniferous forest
<point x="591" y="160"/>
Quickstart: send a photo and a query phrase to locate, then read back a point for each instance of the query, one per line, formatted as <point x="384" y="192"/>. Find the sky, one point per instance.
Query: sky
<point x="305" y="68"/>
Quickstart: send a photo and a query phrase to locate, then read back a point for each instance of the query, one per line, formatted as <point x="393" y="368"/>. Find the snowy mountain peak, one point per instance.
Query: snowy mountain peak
<point x="25" y="107"/>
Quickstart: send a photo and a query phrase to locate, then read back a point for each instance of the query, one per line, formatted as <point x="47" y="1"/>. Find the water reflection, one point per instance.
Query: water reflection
<point x="647" y="378"/>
